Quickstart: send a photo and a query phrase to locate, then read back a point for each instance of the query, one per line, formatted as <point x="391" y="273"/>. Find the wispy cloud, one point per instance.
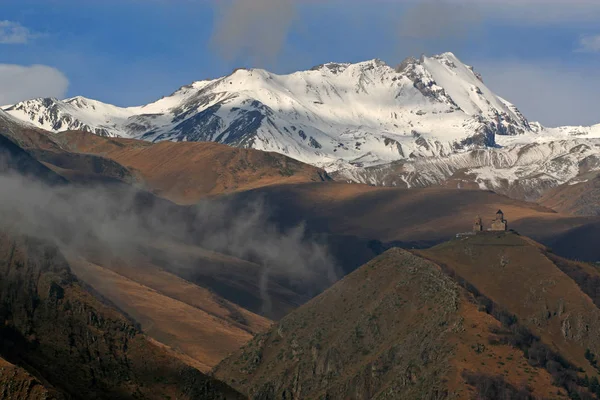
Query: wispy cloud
<point x="14" y="33"/>
<point x="589" y="44"/>
<point x="431" y="23"/>
<point x="22" y="82"/>
<point x="256" y="30"/>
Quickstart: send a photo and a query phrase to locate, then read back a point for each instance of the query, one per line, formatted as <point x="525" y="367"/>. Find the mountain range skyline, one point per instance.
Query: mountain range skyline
<point x="425" y="122"/>
<point x="542" y="58"/>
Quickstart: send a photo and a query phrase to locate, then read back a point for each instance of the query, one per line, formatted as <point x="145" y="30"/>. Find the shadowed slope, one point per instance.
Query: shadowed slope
<point x="374" y="217"/>
<point x="16" y="160"/>
<point x="16" y="383"/>
<point x="36" y="152"/>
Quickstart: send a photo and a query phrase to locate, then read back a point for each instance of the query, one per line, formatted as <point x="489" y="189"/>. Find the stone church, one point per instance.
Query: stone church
<point x="499" y="224"/>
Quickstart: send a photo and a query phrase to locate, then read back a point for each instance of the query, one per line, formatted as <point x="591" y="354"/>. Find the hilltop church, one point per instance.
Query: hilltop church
<point x="499" y="224"/>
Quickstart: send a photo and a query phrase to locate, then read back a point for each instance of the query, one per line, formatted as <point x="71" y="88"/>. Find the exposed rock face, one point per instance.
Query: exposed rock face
<point x="16" y="383"/>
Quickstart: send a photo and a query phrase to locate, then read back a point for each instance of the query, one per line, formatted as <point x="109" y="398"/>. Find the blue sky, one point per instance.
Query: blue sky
<point x="544" y="56"/>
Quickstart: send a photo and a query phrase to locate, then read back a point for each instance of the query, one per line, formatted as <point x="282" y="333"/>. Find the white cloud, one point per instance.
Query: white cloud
<point x="19" y="83"/>
<point x="589" y="44"/>
<point x="15" y="33"/>
<point x="547" y="92"/>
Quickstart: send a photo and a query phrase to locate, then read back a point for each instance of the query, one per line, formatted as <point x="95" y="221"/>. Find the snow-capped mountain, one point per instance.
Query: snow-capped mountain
<point x="334" y="114"/>
<point x="522" y="166"/>
<point x="433" y="116"/>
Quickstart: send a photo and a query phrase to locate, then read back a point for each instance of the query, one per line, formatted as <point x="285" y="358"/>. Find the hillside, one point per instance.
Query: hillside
<point x="372" y="218"/>
<point x="490" y="316"/>
<point x="60" y="333"/>
<point x="397" y="328"/>
<point x="540" y="297"/>
<point x="181" y="172"/>
<point x="36" y="153"/>
<point x="186" y="172"/>
<point x="190" y="319"/>
<point x="579" y="199"/>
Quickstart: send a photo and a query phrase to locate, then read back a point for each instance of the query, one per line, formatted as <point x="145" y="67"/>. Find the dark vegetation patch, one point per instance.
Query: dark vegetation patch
<point x="495" y="387"/>
<point x="592" y="383"/>
<point x="591" y="357"/>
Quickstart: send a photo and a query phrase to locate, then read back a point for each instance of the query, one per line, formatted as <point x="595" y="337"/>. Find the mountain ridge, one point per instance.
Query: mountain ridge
<point x="292" y="104"/>
<point x="368" y="122"/>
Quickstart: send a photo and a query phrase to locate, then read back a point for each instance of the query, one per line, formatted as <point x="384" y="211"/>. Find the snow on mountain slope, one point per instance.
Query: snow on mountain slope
<point x="332" y="115"/>
<point x="77" y="113"/>
<point x="428" y="121"/>
<point x="467" y="89"/>
<point x="522" y="167"/>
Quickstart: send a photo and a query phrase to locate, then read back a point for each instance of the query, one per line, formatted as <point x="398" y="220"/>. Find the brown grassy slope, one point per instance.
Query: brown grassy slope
<point x="16" y="383"/>
<point x="405" y="215"/>
<point x="397" y="328"/>
<point x="186" y="172"/>
<point x="60" y="333"/>
<point x="516" y="273"/>
<point x="579" y="199"/>
<point x="231" y="278"/>
<point x="188" y="318"/>
<point x="42" y="146"/>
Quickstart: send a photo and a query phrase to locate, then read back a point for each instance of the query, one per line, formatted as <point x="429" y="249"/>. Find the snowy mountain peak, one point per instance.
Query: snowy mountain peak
<point x="448" y="57"/>
<point x="335" y="114"/>
<point x="331" y="67"/>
